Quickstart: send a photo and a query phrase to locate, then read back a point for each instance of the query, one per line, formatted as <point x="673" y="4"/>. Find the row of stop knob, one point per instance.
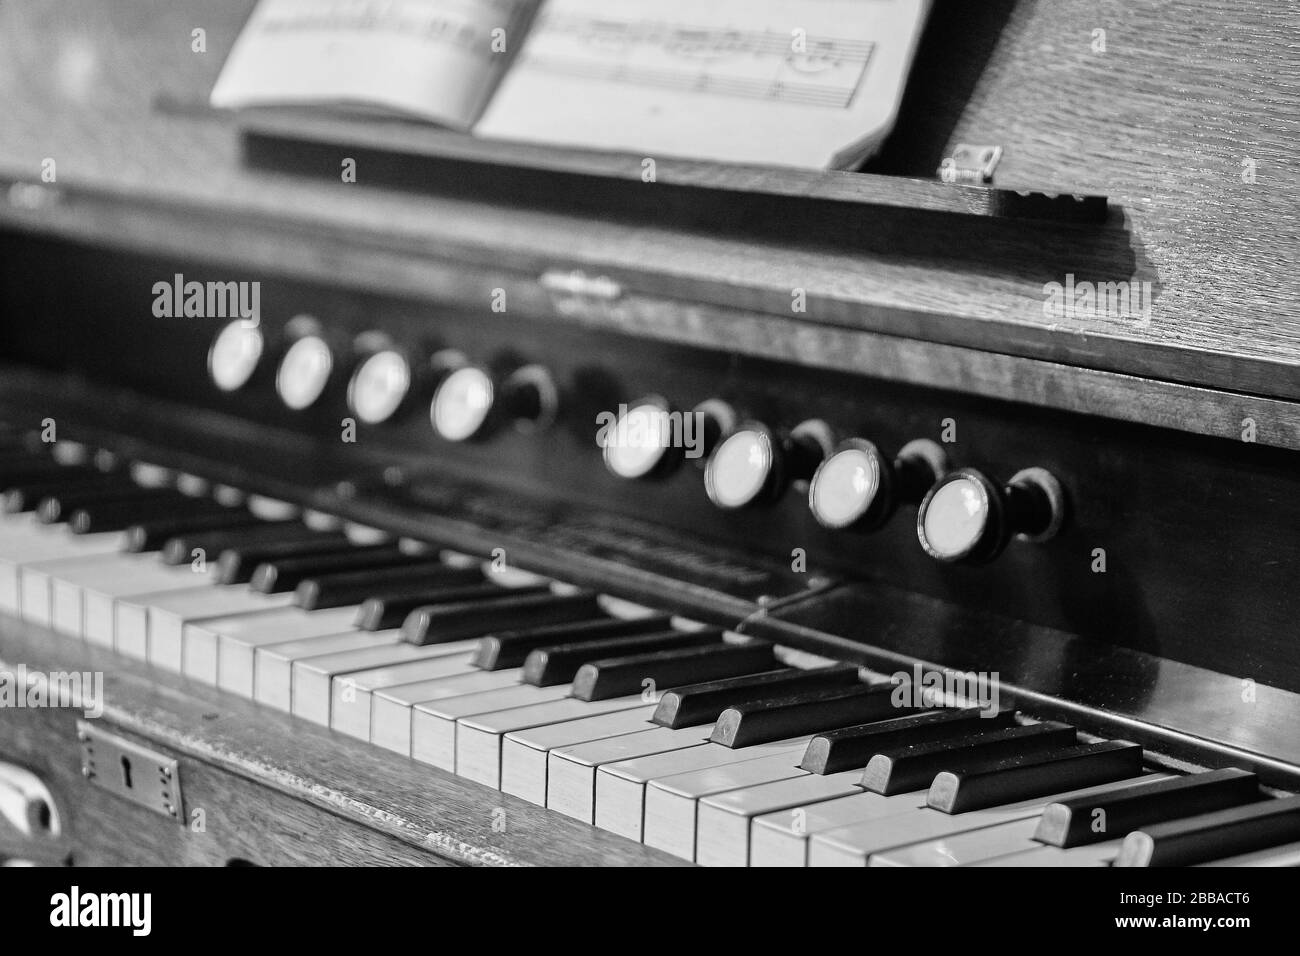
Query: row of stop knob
<point x="963" y="515"/>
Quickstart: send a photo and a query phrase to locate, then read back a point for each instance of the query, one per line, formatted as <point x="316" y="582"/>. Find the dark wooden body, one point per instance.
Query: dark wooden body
<point x="919" y="310"/>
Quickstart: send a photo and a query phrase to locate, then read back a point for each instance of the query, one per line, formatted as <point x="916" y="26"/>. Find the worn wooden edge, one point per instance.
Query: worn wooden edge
<point x="436" y="274"/>
<point x="1068" y="388"/>
<point x="439" y="264"/>
<point x="285" y="126"/>
<point x="434" y="811"/>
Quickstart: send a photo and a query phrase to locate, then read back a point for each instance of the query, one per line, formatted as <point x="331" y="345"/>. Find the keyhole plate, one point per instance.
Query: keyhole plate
<point x="130" y="770"/>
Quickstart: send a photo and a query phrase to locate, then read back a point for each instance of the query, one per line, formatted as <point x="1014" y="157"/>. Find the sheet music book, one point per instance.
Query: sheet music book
<point x="807" y="83"/>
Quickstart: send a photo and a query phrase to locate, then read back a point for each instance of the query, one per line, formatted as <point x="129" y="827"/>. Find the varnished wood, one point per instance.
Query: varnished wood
<point x="1160" y="123"/>
<point x="273" y="785"/>
<point x="229" y="819"/>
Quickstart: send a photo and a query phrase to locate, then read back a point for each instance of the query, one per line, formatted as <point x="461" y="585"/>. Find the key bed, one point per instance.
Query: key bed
<point x="694" y="740"/>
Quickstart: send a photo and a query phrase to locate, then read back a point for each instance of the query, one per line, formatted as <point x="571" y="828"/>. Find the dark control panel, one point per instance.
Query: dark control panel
<point x="1123" y="533"/>
<point x="747" y="466"/>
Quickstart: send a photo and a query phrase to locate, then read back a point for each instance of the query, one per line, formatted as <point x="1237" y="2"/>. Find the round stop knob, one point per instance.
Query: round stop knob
<point x="307" y="366"/>
<point x="235" y="354"/>
<point x="859" y="487"/>
<point x="969" y="517"/>
<point x="753" y="465"/>
<point x="470" y="403"/>
<point x="640" y="443"/>
<point x="381" y="383"/>
<point x="650" y="439"/>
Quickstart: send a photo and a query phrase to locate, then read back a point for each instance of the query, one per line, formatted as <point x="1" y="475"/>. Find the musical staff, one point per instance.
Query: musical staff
<point x="786" y="67"/>
<point x="465" y="25"/>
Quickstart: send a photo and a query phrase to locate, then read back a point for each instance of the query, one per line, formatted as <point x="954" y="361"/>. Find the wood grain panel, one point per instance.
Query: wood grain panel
<point x="273" y="784"/>
<point x="1161" y="122"/>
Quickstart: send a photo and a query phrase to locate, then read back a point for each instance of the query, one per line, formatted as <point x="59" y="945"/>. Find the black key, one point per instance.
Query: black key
<point x="701" y="703"/>
<point x="1035" y="775"/>
<point x="620" y="676"/>
<point x="121" y="514"/>
<point x="1086" y="820"/>
<point x="559" y="664"/>
<point x="511" y="648"/>
<point x="807" y="713"/>
<point x="1213" y="836"/>
<point x="280" y="575"/>
<point x="182" y="548"/>
<point x="154" y="534"/>
<point x="851" y="747"/>
<point x="27" y="496"/>
<point x="439" y="624"/>
<point x="62" y="505"/>
<point x="904" y="769"/>
<point x="354" y="587"/>
<point x="379" y="612"/>
<point x="238" y="563"/>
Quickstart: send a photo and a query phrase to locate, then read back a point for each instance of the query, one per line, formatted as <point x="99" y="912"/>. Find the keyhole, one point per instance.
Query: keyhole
<point x="126" y="772"/>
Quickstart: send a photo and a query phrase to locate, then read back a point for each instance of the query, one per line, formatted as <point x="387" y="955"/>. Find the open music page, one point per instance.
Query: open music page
<point x="439" y="60"/>
<point x="811" y="83"/>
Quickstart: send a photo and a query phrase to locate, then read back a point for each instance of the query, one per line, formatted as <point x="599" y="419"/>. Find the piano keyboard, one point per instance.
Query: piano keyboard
<point x="716" y="748"/>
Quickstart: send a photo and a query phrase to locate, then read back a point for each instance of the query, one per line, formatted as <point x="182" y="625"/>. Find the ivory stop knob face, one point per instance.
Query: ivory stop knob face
<point x="743" y="469"/>
<point x="463" y="403"/>
<point x="960" y="518"/>
<point x="848" y="485"/>
<point x="234" y="355"/>
<point x="379" y="386"/>
<point x="968" y="517"/>
<point x="304" y="372"/>
<point x="639" y="442"/>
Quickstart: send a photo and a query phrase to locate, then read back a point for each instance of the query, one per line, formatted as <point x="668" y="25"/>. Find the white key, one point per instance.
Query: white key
<point x="350" y="708"/>
<point x="313" y="677"/>
<point x="781" y="839"/>
<point x="434" y="730"/>
<point x="723" y="820"/>
<point x="390" y="715"/>
<point x="481" y="737"/>
<point x="23" y="540"/>
<point x="853" y="845"/>
<point x="672" y="803"/>
<point x="219" y="650"/>
<point x="524" y="752"/>
<point x="160" y="618"/>
<point x="83" y="591"/>
<point x="1287" y="855"/>
<point x="964" y="849"/>
<point x="621" y="786"/>
<point x="26" y="541"/>
<point x="1097" y="854"/>
<point x="571" y="771"/>
<point x="273" y="665"/>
